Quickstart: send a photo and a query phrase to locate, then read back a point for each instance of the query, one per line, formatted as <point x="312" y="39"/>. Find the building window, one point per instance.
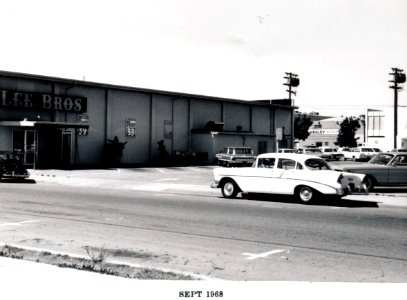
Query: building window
<point x="318" y="125"/>
<point x="375" y="123"/>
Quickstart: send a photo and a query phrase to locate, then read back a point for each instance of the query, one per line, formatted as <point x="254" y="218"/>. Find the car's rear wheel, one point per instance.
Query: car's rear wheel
<point x="306" y="194"/>
<point x="230" y="189"/>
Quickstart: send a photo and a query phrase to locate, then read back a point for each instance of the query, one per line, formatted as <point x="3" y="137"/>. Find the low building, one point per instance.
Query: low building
<point x="63" y="123"/>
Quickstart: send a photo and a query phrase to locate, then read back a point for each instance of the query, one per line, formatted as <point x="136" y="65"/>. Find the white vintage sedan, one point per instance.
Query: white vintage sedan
<point x="305" y="176"/>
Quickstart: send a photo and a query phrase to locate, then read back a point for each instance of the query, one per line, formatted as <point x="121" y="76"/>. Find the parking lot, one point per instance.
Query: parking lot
<point x="185" y="180"/>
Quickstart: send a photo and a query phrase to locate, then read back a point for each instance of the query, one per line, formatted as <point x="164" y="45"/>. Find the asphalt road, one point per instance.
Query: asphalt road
<point x="242" y="239"/>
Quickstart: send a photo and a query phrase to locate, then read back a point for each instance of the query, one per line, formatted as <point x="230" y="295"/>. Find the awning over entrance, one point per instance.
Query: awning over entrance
<point x="26" y="123"/>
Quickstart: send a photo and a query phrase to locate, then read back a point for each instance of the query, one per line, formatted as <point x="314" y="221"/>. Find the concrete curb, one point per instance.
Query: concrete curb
<point x="194" y="275"/>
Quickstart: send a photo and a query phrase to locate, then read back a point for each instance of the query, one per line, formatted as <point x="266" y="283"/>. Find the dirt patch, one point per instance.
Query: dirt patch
<point x="91" y="264"/>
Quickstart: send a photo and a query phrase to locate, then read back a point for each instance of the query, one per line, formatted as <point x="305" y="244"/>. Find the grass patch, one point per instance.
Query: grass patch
<point x="96" y="263"/>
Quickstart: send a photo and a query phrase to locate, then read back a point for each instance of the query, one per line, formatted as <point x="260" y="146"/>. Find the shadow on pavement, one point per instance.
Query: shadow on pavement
<point x="324" y="201"/>
<point x="21" y="181"/>
<point x="392" y="190"/>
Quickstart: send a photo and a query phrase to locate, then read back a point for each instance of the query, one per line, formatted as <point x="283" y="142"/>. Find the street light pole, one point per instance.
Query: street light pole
<point x="398" y="77"/>
<point x="292" y="81"/>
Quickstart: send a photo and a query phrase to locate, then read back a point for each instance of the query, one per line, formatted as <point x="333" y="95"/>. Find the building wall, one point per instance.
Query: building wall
<point x="262" y="120"/>
<point x="203" y="111"/>
<point x="176" y="119"/>
<point x="181" y="132"/>
<point x="90" y="147"/>
<point x="236" y="114"/>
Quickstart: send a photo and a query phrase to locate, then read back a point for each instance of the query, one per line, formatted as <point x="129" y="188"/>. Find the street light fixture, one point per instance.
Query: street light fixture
<point x="292" y="81"/>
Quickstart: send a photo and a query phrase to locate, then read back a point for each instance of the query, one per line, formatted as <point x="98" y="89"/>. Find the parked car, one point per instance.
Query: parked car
<point x="285" y="150"/>
<point x="355" y="154"/>
<point x="332" y="151"/>
<point x="399" y="150"/>
<point x="11" y="166"/>
<point x="314" y="151"/>
<point x="305" y="176"/>
<point x="385" y="169"/>
<point x="369" y="152"/>
<point x="343" y="149"/>
<point x="236" y="156"/>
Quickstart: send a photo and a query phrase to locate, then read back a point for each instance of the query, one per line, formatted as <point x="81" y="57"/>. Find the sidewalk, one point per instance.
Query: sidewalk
<point x="30" y="280"/>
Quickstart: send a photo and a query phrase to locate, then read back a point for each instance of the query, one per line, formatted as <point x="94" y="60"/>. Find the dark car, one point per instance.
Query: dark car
<point x="11" y="166"/>
<point x="385" y="169"/>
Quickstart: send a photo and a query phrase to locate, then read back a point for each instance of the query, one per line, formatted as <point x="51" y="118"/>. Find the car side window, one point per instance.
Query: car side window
<point x="401" y="160"/>
<point x="266" y="163"/>
<point x="286" y="164"/>
<point x="299" y="167"/>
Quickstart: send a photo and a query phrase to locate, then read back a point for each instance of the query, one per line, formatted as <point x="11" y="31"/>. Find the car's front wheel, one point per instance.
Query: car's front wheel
<point x="306" y="194"/>
<point x="230" y="189"/>
<point x="369" y="182"/>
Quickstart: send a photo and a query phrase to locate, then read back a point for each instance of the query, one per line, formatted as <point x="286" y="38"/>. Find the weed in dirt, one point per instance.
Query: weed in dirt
<point x="96" y="256"/>
<point x="9" y="251"/>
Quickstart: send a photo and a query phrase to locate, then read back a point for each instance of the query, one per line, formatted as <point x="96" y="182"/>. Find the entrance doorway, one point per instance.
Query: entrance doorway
<point x="25" y="145"/>
<point x="66" y="148"/>
<point x="55" y="148"/>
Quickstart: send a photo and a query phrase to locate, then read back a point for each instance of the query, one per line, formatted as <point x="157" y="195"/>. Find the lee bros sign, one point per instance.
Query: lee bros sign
<point x="42" y="101"/>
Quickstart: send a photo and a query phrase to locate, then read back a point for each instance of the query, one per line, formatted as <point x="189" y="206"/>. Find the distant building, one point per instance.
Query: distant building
<point x="376" y="130"/>
<point x="324" y="132"/>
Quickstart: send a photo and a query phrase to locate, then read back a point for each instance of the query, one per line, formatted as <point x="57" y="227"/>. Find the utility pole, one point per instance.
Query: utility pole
<point x="292" y="81"/>
<point x="398" y="78"/>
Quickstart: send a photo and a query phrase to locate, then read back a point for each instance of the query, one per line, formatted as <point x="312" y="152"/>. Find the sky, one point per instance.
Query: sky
<point x="342" y="50"/>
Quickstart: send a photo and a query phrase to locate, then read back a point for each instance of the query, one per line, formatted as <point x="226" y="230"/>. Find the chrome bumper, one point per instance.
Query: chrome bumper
<point x="356" y="190"/>
<point x="16" y="175"/>
<point x="214" y="185"/>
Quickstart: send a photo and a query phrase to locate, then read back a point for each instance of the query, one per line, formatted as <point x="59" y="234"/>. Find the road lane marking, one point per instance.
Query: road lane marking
<point x="261" y="255"/>
<point x="18" y="223"/>
<point x="166" y="179"/>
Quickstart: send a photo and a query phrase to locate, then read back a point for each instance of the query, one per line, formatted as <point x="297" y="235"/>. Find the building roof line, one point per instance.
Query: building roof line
<point x="77" y="82"/>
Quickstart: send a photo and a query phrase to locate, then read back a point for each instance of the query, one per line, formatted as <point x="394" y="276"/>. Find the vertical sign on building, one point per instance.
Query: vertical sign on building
<point x="167" y="129"/>
<point x="83" y="118"/>
<point x="279" y="134"/>
<point x="130" y="127"/>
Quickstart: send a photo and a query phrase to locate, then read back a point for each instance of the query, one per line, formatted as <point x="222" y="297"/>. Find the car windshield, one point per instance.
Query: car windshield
<point x="317" y="164"/>
<point x="381" y="159"/>
<point x="329" y="150"/>
<point x="313" y="151"/>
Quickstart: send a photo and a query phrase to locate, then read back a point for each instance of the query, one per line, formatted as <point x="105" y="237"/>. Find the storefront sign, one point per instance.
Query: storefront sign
<point x="324" y="131"/>
<point x="41" y="101"/>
